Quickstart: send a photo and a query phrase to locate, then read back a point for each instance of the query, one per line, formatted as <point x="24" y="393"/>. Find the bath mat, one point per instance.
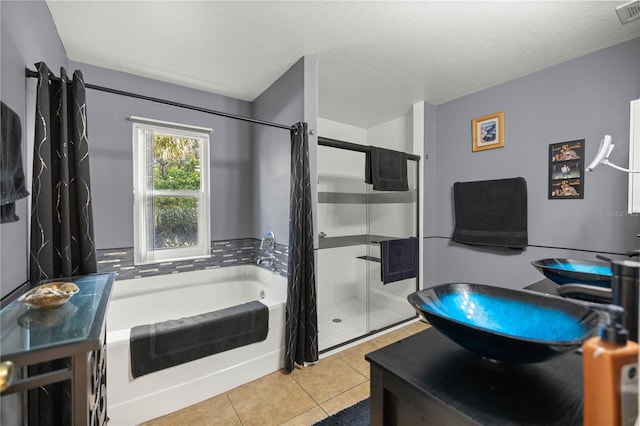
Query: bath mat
<point x="356" y="415"/>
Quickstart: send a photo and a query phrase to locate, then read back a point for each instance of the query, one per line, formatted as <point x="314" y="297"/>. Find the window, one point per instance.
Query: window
<point x="171" y="191"/>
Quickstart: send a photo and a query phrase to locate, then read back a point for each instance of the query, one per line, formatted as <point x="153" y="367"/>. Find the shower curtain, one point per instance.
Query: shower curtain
<point x="301" y="329"/>
<point x="62" y="242"/>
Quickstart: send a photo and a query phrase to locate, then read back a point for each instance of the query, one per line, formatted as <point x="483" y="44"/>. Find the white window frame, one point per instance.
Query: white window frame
<point x="143" y="130"/>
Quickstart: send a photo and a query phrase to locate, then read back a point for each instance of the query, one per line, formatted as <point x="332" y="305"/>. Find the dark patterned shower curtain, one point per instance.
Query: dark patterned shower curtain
<point x="301" y="329"/>
<point x="62" y="241"/>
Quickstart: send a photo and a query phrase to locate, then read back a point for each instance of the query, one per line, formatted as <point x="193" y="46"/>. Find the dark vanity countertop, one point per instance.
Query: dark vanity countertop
<point x="487" y="393"/>
<point x="544" y="286"/>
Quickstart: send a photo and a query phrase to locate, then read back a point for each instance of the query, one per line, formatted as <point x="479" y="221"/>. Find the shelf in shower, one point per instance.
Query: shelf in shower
<point x="351" y="240"/>
<point x="401" y="197"/>
<point x="370" y="258"/>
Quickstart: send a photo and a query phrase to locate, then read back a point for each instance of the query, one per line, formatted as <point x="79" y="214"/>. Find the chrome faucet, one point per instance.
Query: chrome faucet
<point x="624" y="291"/>
<point x="268" y="244"/>
<point x="266" y="261"/>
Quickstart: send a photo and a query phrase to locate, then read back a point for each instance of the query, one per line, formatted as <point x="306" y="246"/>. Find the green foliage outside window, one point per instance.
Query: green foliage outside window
<point x="176" y="167"/>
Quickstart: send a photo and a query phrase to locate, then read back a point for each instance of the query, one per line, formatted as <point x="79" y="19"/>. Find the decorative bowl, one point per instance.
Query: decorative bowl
<point x="563" y="271"/>
<point x="515" y="326"/>
<point x="49" y="295"/>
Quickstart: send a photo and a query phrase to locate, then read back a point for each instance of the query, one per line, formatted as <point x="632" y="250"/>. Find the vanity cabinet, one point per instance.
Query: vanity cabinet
<point x="65" y="345"/>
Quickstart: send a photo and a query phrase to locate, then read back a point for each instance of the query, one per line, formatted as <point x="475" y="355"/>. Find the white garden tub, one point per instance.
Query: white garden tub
<point x="159" y="298"/>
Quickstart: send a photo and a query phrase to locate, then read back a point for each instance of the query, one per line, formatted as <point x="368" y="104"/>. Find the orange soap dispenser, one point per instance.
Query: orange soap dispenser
<point x="610" y="363"/>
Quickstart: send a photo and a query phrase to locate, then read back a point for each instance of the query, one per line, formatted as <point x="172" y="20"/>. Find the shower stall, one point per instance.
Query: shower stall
<point x="352" y="220"/>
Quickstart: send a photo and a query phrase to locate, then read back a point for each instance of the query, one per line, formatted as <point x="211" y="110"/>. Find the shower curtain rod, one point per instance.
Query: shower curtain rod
<point x="34" y="74"/>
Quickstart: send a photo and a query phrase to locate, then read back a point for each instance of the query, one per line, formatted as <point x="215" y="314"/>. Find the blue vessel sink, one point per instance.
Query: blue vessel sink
<point x="563" y="271"/>
<point x="515" y="326"/>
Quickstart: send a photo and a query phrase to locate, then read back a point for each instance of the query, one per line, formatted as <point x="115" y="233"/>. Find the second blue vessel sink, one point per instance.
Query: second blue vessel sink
<point x="563" y="271"/>
<point x="516" y="326"/>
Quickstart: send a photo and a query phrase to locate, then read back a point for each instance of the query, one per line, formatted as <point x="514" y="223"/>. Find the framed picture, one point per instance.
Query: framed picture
<point x="566" y="169"/>
<point x="488" y="132"/>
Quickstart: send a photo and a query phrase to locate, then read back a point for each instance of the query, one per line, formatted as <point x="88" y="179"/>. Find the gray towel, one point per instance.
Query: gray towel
<point x="386" y="169"/>
<point x="399" y="259"/>
<point x="491" y="213"/>
<point x="162" y="345"/>
<point x="12" y="184"/>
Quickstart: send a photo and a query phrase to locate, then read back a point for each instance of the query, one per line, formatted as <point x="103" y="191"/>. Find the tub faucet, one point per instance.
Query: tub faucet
<point x="267" y="261"/>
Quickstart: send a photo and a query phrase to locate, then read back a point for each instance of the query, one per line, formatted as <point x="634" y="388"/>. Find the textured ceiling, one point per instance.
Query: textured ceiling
<point x="375" y="59"/>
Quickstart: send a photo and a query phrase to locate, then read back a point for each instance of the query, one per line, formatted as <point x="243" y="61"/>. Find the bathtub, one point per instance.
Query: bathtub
<point x="159" y="298"/>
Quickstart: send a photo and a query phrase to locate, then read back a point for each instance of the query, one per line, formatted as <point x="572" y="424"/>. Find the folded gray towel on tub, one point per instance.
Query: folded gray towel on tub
<point x="162" y="345"/>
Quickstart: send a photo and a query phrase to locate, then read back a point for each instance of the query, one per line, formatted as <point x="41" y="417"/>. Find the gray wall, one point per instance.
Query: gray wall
<point x="283" y="102"/>
<point x="27" y="36"/>
<point x="112" y="159"/>
<point x="580" y="99"/>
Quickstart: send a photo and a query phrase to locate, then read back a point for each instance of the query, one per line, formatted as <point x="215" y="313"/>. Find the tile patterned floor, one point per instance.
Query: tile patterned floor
<point x="301" y="398"/>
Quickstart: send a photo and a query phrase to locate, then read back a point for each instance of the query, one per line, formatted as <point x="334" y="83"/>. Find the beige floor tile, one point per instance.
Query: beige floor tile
<point x="328" y="378"/>
<point x="270" y="400"/>
<point x="346" y="399"/>
<point x="354" y="357"/>
<point x="216" y="411"/>
<point x="307" y="418"/>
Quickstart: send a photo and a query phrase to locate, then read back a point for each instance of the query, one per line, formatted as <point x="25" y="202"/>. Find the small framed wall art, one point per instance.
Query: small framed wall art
<point x="488" y="131"/>
<point x="566" y="169"/>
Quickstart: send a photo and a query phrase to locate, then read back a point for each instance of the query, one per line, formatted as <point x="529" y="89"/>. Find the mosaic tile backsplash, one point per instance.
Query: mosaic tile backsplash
<point x="223" y="253"/>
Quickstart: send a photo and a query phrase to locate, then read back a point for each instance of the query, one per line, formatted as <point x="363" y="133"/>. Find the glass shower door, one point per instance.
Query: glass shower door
<point x="342" y="243"/>
<point x="352" y="220"/>
<point x="392" y="215"/>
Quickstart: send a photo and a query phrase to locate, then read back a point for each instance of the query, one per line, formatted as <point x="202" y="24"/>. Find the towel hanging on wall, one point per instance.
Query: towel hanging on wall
<point x="12" y="183"/>
<point x="491" y="213"/>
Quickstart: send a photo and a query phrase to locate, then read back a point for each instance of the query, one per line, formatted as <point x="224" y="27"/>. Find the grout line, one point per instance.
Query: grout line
<point x="341" y="358"/>
<point x="347" y="390"/>
<point x="234" y="408"/>
<point x="290" y="375"/>
<point x="302" y="387"/>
